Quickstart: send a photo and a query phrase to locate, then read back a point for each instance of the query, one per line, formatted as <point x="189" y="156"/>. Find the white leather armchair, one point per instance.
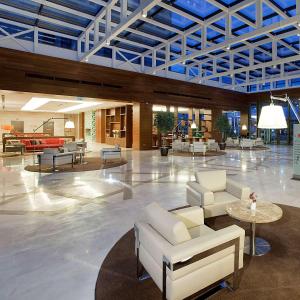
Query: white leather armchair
<point x="212" y="191"/>
<point x="230" y="142"/>
<point x="197" y="147"/>
<point x="259" y="142"/>
<point x="247" y="143"/>
<point x="212" y="145"/>
<point x="184" y="256"/>
<point x="53" y="157"/>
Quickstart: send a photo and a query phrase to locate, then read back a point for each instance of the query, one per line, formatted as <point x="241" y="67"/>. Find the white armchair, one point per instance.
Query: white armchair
<point x="197" y="147"/>
<point x="259" y="142"/>
<point x="182" y="255"/>
<point x="52" y="157"/>
<point x="212" y="145"/>
<point x="247" y="143"/>
<point x="213" y="191"/>
<point x="230" y="142"/>
<point x="178" y="145"/>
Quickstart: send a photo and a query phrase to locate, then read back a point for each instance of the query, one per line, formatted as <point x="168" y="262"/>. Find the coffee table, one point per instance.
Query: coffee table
<point x="266" y="212"/>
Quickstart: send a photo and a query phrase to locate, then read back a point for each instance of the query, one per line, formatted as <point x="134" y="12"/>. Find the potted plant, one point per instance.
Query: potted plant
<point x="164" y="122"/>
<point x="223" y="126"/>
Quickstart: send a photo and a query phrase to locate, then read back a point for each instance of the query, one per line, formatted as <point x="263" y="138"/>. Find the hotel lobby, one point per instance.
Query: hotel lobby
<point x="149" y="149"/>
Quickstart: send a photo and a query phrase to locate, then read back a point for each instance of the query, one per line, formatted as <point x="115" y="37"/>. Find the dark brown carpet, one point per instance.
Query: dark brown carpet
<point x="199" y="154"/>
<point x="274" y="276"/>
<point x="92" y="163"/>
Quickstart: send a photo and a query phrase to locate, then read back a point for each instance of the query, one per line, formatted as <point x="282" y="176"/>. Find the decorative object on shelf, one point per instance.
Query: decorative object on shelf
<point x="272" y="117"/>
<point x="223" y="126"/>
<point x="164" y="122"/>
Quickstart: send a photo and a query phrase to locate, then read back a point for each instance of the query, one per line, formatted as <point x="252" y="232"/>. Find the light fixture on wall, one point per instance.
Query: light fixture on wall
<point x="244" y="127"/>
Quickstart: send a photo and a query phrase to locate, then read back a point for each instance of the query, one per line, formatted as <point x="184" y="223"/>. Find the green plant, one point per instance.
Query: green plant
<point x="164" y="122"/>
<point x="222" y="125"/>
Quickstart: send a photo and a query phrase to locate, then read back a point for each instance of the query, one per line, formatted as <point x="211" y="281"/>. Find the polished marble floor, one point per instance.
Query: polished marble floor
<point x="55" y="229"/>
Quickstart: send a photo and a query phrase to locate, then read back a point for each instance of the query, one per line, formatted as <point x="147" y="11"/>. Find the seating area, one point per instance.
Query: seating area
<point x="195" y="146"/>
<point x="244" y="143"/>
<point x="150" y="149"/>
<point x="178" y="251"/>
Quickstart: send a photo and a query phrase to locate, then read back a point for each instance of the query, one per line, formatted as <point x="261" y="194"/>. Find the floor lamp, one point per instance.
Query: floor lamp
<point x="68" y="125"/>
<point x="272" y="117"/>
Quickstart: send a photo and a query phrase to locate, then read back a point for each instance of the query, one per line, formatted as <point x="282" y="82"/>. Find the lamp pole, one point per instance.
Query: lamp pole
<point x="296" y="137"/>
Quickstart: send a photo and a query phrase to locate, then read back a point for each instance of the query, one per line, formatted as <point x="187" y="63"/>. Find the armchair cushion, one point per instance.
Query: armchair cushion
<point x="199" y="195"/>
<point x="214" y="181"/>
<point x="190" y="216"/>
<point x="166" y="223"/>
<point x="237" y="189"/>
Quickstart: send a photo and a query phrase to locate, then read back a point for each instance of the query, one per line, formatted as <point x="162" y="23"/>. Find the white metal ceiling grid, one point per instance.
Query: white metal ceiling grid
<point x="245" y="45"/>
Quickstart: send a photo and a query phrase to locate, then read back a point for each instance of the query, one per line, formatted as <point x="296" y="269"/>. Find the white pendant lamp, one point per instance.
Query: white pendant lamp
<point x="272" y="117"/>
<point x="69" y="125"/>
<point x="194" y="125"/>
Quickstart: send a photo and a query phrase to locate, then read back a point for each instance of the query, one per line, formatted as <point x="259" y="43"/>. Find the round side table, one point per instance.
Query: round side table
<point x="266" y="212"/>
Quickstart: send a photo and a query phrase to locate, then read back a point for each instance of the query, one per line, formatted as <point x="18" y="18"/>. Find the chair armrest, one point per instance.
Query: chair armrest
<point x="190" y="216"/>
<point x="202" y="244"/>
<point x="206" y="197"/>
<point x="238" y="190"/>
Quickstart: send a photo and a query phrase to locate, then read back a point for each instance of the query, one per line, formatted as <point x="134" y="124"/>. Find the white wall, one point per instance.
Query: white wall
<point x="32" y="120"/>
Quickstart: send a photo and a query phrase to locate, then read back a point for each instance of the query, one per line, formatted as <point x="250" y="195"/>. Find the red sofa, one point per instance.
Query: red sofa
<point x="42" y="143"/>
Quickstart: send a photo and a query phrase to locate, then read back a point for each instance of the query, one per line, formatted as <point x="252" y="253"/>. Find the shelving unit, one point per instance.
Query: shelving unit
<point x="118" y="126"/>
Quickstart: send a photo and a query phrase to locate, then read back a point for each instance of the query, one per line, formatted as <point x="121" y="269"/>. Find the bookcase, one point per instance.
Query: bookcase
<point x="118" y="126"/>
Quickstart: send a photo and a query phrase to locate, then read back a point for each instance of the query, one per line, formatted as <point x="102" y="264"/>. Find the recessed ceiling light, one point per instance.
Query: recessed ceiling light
<point x="144" y="14"/>
<point x="79" y="106"/>
<point x="35" y="103"/>
<point x="107" y="42"/>
<point x="228" y="47"/>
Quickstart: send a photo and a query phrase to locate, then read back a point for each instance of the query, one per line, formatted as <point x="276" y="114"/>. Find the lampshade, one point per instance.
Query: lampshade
<point x="194" y="125"/>
<point x="7" y="127"/>
<point x="244" y="127"/>
<point x="69" y="124"/>
<point x="272" y="117"/>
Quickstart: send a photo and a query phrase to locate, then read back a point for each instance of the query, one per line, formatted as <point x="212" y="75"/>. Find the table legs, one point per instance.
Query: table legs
<point x="258" y="246"/>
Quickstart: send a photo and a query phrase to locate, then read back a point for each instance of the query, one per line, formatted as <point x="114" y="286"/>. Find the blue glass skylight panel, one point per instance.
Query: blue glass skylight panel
<point x="199" y="8"/>
<point x="63" y="16"/>
<point x="58" y="28"/>
<point x="23" y="4"/>
<point x="172" y="19"/>
<point x="154" y="30"/>
<point x="127" y="46"/>
<point x="249" y="11"/>
<point x="272" y="20"/>
<point x="284" y="3"/>
<point x="84" y="6"/>
<point x="17" y="17"/>
<point x="178" y="69"/>
<point x="138" y="39"/>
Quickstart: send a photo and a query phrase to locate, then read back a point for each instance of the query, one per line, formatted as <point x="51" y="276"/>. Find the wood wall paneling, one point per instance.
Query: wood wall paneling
<point x="27" y="72"/>
<point x="142" y="126"/>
